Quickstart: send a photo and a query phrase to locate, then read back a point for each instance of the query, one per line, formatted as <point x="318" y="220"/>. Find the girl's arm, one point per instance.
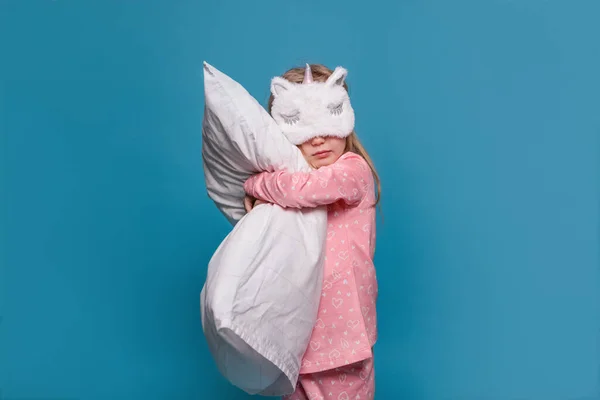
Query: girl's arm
<point x="347" y="179"/>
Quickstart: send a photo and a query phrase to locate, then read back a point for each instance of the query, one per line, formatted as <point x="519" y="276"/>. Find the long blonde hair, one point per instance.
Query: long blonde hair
<point x="320" y="74"/>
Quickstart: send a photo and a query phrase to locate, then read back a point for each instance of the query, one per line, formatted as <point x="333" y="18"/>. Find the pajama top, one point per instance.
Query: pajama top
<point x="346" y="325"/>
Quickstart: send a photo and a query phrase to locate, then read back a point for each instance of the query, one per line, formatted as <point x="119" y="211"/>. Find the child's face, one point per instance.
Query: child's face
<point x="322" y="150"/>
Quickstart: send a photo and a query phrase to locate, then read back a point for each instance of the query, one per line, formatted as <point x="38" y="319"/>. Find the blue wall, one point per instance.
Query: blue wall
<point x="482" y="116"/>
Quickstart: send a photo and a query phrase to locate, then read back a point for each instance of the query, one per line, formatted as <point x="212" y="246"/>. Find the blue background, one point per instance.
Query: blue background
<point x="483" y="118"/>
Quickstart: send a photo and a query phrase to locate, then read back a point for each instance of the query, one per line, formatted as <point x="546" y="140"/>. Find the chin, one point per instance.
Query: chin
<point x="321" y="163"/>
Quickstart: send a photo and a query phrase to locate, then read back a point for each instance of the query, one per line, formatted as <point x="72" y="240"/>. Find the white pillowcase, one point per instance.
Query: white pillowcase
<point x="260" y="299"/>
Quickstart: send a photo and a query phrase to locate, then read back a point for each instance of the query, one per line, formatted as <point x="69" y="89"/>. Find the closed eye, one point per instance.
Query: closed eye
<point x="336" y="109"/>
<point x="292" y="118"/>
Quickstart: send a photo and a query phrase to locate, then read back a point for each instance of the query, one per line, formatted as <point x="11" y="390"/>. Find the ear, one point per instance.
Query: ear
<point x="338" y="77"/>
<point x="280" y="85"/>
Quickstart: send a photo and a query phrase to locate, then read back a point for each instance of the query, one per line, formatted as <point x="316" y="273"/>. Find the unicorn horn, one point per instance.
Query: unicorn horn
<point x="308" y="78"/>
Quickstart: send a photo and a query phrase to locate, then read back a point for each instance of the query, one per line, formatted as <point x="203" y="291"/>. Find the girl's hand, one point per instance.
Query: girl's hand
<point x="250" y="202"/>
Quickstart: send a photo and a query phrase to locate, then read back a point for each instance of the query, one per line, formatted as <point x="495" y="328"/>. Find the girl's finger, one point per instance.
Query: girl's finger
<point x="248" y="204"/>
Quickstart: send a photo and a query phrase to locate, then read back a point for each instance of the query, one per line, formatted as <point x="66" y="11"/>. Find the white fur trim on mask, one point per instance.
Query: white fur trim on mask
<point x="305" y="111"/>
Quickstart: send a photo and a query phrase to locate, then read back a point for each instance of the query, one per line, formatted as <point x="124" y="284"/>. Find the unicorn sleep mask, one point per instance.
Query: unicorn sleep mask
<point x="309" y="109"/>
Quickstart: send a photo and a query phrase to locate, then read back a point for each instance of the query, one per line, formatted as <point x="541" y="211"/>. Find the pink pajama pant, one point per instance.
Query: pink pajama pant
<point x="351" y="382"/>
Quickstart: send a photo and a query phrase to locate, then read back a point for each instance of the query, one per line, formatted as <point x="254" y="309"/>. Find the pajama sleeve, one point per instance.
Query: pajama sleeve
<point x="348" y="180"/>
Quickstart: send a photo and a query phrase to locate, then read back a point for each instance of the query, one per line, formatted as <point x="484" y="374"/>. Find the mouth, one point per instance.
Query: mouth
<point x="322" y="153"/>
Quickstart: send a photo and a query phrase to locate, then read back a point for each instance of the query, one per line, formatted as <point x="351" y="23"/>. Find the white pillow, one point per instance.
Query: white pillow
<point x="259" y="303"/>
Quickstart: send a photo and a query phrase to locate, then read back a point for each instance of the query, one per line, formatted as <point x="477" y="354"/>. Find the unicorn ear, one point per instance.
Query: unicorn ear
<point x="280" y="85"/>
<point x="338" y="77"/>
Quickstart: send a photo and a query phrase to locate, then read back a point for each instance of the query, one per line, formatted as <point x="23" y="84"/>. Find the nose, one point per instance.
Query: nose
<point x="317" y="140"/>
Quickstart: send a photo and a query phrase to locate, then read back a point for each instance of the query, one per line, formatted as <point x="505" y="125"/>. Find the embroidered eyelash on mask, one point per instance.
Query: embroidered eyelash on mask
<point x="292" y="118"/>
<point x="336" y="109"/>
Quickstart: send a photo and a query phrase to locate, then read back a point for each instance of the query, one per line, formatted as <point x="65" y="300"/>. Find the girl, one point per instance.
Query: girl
<point x="313" y="109"/>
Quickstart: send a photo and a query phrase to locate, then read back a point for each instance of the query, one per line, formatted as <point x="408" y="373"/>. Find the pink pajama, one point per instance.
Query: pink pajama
<point x="351" y="382"/>
<point x="338" y="362"/>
